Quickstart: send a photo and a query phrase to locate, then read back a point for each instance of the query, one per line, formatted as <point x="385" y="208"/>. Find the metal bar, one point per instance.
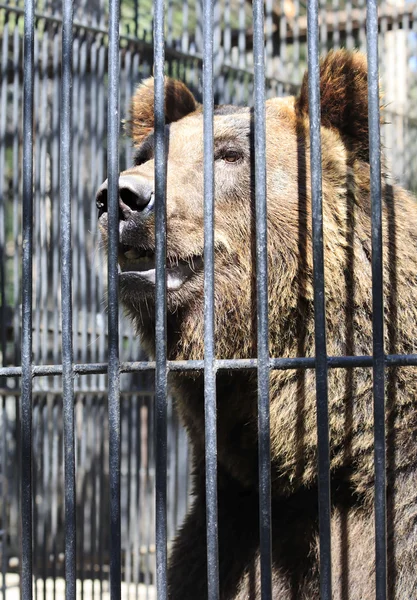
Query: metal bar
<point x="76" y="143"/>
<point x="66" y="300"/>
<point x="55" y="224"/>
<point x="160" y="307"/>
<point x="319" y="303"/>
<point x="100" y="177"/>
<point x="82" y="201"/>
<point x="16" y="185"/>
<point x="209" y="344"/>
<point x="95" y="159"/>
<point x="377" y="303"/>
<point x="3" y="256"/>
<point x="264" y="446"/>
<point x="42" y="274"/>
<point x="276" y="364"/>
<point x="113" y="296"/>
<point x="27" y="239"/>
<point x="36" y="300"/>
<point x="5" y="494"/>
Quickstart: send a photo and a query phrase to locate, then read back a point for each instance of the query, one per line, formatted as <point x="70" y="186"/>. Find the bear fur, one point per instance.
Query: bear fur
<point x="347" y="259"/>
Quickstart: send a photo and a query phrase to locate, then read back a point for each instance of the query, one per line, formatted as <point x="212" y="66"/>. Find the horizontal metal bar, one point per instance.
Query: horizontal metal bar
<point x="245" y="364"/>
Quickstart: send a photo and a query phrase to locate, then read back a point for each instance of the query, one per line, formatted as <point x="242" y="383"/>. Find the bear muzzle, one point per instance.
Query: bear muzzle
<point x="137" y="266"/>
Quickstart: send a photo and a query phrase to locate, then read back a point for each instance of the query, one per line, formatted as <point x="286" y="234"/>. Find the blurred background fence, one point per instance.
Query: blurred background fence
<point x="341" y="24"/>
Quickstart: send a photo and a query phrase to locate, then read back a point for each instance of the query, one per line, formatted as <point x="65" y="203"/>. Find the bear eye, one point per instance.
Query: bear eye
<point x="231" y="156"/>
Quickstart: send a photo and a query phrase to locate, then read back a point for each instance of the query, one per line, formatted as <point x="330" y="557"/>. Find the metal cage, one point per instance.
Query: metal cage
<point x="222" y="63"/>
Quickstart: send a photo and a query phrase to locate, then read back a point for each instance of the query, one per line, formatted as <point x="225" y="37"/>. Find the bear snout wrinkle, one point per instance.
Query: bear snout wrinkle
<point x="136" y="195"/>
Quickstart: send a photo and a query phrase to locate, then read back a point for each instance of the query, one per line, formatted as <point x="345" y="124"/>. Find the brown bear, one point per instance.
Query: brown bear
<point x="347" y="256"/>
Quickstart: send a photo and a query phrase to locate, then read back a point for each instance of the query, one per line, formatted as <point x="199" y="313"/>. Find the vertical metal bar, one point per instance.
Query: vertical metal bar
<point x="16" y="185"/>
<point x="42" y="275"/>
<point x="27" y="218"/>
<point x="137" y="505"/>
<point x="55" y="194"/>
<point x="101" y="488"/>
<point x="82" y="501"/>
<point x="131" y="427"/>
<point x="81" y="267"/>
<point x="113" y="295"/>
<point x="377" y="302"/>
<point x="150" y="464"/>
<point x="54" y="488"/>
<point x="160" y="299"/>
<point x="46" y="477"/>
<point x="209" y="348"/>
<point x="100" y="176"/>
<point x="95" y="159"/>
<point x="36" y="308"/>
<point x="5" y="494"/>
<point x="319" y="302"/>
<point x="262" y="301"/>
<point x="76" y="135"/>
<point x="36" y="454"/>
<point x="3" y="256"/>
<point x="66" y="294"/>
<point x="94" y="512"/>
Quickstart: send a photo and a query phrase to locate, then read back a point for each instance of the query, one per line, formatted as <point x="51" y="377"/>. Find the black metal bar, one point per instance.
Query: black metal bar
<point x="16" y="208"/>
<point x="100" y="176"/>
<point x="377" y="302"/>
<point x="209" y="344"/>
<point x="76" y="143"/>
<point x="3" y="114"/>
<point x="55" y="183"/>
<point x="42" y="160"/>
<point x="27" y="237"/>
<point x="113" y="296"/>
<point x="276" y="364"/>
<point x="264" y="445"/>
<point x="66" y="300"/>
<point x="81" y="266"/>
<point x="319" y="302"/>
<point x="4" y="494"/>
<point x="160" y="307"/>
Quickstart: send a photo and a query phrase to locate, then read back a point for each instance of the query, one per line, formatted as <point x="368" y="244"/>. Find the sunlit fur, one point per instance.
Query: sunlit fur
<point x="347" y="257"/>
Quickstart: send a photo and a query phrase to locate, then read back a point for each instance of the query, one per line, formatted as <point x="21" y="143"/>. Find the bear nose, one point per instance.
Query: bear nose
<point x="135" y="195"/>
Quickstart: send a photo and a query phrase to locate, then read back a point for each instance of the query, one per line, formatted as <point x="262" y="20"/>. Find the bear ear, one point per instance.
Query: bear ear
<point x="179" y="102"/>
<point x="343" y="97"/>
